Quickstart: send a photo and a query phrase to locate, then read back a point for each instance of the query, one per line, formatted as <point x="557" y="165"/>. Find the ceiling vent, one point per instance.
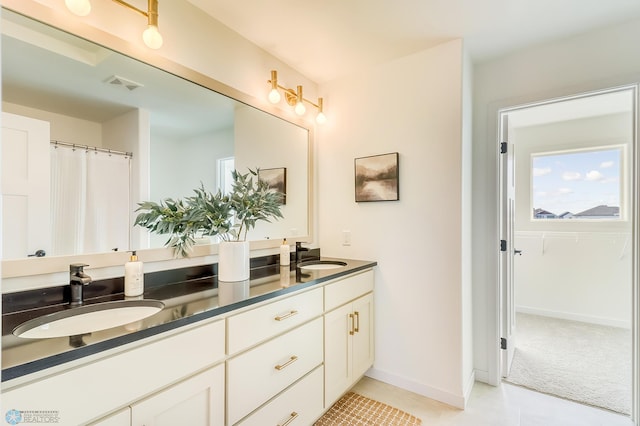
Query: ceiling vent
<point x="116" y="80"/>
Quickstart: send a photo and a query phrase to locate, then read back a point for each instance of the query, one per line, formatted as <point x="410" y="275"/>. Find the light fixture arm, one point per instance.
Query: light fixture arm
<point x="151" y="14"/>
<point x="142" y="12"/>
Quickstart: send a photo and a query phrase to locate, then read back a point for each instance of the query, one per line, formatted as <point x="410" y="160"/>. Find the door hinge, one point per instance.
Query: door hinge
<point x="503" y="343"/>
<point x="503" y="245"/>
<point x="503" y="147"/>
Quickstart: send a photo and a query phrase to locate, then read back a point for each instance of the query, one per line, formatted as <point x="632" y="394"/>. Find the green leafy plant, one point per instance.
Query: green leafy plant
<point x="228" y="216"/>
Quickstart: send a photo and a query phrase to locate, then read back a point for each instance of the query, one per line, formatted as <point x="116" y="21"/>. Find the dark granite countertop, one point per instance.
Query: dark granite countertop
<point x="186" y="302"/>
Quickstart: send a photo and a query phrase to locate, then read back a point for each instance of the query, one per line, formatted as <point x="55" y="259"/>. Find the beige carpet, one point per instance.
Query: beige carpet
<point x="582" y="362"/>
<point x="354" y="409"/>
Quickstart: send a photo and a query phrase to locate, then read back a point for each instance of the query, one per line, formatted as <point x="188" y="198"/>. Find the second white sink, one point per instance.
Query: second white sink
<point x="321" y="264"/>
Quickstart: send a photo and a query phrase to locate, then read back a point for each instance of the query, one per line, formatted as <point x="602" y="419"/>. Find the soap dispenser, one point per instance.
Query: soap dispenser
<point x="285" y="257"/>
<point x="133" y="276"/>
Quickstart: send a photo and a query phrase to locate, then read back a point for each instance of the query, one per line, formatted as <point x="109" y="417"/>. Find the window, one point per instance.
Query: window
<point x="584" y="184"/>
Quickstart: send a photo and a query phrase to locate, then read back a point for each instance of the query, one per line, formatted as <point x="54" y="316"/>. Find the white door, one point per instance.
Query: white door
<point x="507" y="218"/>
<point x="25" y="186"/>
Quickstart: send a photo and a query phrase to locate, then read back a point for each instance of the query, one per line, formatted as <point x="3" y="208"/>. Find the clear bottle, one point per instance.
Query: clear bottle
<point x="133" y="276"/>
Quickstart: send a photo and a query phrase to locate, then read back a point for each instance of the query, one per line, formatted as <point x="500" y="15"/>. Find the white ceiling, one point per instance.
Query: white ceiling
<point x="328" y="39"/>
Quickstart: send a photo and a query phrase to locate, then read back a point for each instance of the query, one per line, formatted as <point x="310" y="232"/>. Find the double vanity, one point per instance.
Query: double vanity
<point x="280" y="348"/>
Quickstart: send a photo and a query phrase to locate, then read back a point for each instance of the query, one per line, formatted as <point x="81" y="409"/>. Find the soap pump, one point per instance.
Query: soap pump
<point x="133" y="276"/>
<point x="285" y="256"/>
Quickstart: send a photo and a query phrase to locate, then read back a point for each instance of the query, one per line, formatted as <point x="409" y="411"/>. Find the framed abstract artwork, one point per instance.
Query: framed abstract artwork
<point x="276" y="179"/>
<point x="377" y="178"/>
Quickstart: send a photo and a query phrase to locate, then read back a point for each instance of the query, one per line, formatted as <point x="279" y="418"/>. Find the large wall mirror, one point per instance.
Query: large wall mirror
<point x="89" y="132"/>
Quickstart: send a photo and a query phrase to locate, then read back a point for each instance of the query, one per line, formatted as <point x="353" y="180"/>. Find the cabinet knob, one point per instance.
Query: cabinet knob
<point x="285" y="316"/>
<point x="291" y="418"/>
<point x="353" y="325"/>
<point x="288" y="363"/>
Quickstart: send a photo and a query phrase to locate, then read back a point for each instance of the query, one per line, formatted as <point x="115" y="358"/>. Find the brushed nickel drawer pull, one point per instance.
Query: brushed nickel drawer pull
<point x="285" y="316"/>
<point x="357" y="328"/>
<point x="291" y="418"/>
<point x="352" y="330"/>
<point x="288" y="363"/>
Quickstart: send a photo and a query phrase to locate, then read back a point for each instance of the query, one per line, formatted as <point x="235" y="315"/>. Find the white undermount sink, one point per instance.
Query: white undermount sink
<point x="321" y="264"/>
<point x="87" y="318"/>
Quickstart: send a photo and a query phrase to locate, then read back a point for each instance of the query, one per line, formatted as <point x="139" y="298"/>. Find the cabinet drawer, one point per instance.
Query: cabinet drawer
<point x="251" y="327"/>
<point x="347" y="289"/>
<point x="259" y="374"/>
<point x="300" y="405"/>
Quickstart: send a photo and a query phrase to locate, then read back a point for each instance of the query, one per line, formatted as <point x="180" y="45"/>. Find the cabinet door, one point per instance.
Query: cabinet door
<point x="337" y="346"/>
<point x="198" y="401"/>
<point x="362" y="348"/>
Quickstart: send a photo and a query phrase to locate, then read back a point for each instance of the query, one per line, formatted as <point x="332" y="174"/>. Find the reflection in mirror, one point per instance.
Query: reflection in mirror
<point x="140" y="133"/>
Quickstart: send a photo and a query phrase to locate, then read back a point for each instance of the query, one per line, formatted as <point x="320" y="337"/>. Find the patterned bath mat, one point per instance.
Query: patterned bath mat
<point x="354" y="409"/>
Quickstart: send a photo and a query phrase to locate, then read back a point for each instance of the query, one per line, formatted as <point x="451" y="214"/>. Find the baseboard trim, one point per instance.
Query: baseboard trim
<point x="468" y="387"/>
<point x="481" y="376"/>
<point x="458" y="401"/>
<point x="574" y="317"/>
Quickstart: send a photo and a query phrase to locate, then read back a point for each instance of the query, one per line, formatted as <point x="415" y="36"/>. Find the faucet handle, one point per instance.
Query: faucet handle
<point x="76" y="268"/>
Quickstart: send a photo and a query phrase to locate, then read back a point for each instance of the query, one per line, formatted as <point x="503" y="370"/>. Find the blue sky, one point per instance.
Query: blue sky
<point x="576" y="181"/>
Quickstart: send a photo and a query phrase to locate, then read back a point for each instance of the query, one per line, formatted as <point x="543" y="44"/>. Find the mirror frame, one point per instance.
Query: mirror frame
<point x="54" y="264"/>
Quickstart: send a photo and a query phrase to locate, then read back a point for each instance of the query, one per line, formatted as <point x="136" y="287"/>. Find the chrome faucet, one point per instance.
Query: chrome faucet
<point x="77" y="280"/>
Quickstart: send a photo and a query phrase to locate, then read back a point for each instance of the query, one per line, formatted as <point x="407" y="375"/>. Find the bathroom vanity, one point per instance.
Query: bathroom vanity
<point x="279" y="349"/>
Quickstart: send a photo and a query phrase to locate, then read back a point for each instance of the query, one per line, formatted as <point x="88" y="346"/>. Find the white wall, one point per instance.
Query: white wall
<point x="591" y="61"/>
<point x="417" y="241"/>
<point x="63" y="127"/>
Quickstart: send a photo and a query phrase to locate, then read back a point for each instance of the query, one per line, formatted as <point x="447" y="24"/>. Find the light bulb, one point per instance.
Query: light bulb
<point x="78" y="7"/>
<point x="300" y="108"/>
<point x="321" y="118"/>
<point x="274" y="96"/>
<point x="152" y="37"/>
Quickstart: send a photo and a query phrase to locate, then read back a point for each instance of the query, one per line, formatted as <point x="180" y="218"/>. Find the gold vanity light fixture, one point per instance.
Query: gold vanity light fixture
<point x="294" y="98"/>
<point x="151" y="36"/>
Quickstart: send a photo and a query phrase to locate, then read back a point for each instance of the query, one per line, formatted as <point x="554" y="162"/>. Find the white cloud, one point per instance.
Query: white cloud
<point x="594" y="175"/>
<point x="541" y="193"/>
<point x="606" y="164"/>
<point x="541" y="172"/>
<point x="571" y="176"/>
<point x="563" y="191"/>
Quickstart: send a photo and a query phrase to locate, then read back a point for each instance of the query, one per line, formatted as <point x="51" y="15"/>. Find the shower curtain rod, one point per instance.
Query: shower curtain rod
<point x="91" y="148"/>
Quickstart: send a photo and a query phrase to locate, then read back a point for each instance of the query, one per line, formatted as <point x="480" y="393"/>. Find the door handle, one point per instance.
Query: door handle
<point x="517" y="252"/>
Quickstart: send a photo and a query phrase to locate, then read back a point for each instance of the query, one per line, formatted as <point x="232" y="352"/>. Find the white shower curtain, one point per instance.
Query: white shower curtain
<point x="89" y="201"/>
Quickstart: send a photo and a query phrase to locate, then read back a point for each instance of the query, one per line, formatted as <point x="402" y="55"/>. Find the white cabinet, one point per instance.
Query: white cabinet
<point x="279" y="363"/>
<point x="349" y="344"/>
<point x="197" y="401"/>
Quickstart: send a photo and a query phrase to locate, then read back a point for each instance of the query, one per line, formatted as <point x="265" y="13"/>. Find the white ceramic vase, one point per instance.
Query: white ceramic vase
<point x="233" y="261"/>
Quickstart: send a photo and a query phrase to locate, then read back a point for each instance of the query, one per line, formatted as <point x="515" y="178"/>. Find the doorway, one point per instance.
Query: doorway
<point x="567" y="263"/>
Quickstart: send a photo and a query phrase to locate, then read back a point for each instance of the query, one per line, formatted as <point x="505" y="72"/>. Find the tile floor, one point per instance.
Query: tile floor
<point x="506" y="405"/>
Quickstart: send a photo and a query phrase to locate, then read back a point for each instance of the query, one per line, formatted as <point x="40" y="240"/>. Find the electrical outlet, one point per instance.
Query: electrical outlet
<point x="346" y="238"/>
